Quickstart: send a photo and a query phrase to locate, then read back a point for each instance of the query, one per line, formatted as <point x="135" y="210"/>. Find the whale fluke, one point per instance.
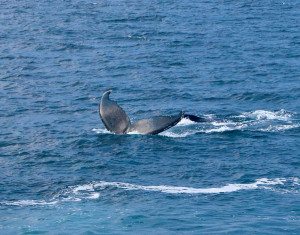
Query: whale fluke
<point x="155" y="125"/>
<point x="112" y="115"/>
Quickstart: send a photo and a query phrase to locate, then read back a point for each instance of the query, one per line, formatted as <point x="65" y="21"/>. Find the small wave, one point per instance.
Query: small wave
<point x="225" y="129"/>
<point x="223" y="123"/>
<point x="260" y="183"/>
<point x="28" y="203"/>
<point x="296" y="181"/>
<point x="91" y="191"/>
<point x="278" y="128"/>
<point x="177" y="135"/>
<point x="220" y="129"/>
<point x="280" y="115"/>
<point x="94" y="196"/>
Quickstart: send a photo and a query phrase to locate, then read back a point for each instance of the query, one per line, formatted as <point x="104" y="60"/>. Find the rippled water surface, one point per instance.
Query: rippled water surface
<point x="237" y="63"/>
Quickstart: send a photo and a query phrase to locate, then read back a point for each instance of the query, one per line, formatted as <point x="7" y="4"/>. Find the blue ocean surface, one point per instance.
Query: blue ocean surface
<point x="236" y="63"/>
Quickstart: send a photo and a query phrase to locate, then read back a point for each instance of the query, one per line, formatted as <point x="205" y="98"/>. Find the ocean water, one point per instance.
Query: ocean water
<point x="235" y="62"/>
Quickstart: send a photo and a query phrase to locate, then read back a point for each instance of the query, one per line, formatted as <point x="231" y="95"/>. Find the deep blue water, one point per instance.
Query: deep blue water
<point x="235" y="62"/>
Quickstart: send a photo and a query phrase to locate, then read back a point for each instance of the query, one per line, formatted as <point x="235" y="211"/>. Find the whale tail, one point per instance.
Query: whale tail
<point x="194" y="118"/>
<point x="156" y="124"/>
<point x="112" y="115"/>
<point x="117" y="121"/>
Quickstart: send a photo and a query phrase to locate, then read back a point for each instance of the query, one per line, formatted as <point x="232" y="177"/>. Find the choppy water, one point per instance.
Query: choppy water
<point x="235" y="62"/>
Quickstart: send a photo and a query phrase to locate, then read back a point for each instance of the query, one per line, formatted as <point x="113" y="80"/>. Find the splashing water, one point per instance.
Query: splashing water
<point x="259" y="120"/>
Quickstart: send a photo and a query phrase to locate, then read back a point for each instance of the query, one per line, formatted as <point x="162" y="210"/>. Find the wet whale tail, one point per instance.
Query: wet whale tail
<point x="117" y="121"/>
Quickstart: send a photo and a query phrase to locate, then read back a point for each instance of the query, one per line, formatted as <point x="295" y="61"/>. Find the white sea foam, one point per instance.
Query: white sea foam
<point x="281" y="115"/>
<point x="185" y="122"/>
<point x="28" y="203"/>
<point x="134" y="133"/>
<point x="218" y="127"/>
<point x="225" y="128"/>
<point x="264" y="120"/>
<point x="259" y="183"/>
<point x="94" y="196"/>
<point x="101" y="131"/>
<point x="177" y="135"/>
<point x="296" y="181"/>
<point x="223" y="123"/>
<point x="277" y="128"/>
<point x="91" y="191"/>
<point x="209" y="116"/>
<point x="86" y="187"/>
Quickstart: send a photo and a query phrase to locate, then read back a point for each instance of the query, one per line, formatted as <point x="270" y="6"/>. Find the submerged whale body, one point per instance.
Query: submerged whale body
<point x="117" y="121"/>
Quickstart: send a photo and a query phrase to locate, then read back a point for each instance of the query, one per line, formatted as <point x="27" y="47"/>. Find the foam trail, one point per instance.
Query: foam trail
<point x="258" y="120"/>
<point x="280" y="115"/>
<point x="224" y="129"/>
<point x="260" y="183"/>
<point x="28" y="203"/>
<point x="224" y="123"/>
<point x="219" y="129"/>
<point x="279" y="128"/>
<point x="90" y="191"/>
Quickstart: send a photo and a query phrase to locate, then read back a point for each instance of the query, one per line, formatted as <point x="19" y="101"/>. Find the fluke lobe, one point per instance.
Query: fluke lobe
<point x="117" y="121"/>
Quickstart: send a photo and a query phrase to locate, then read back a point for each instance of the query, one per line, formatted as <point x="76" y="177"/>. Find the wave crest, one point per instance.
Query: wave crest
<point x="92" y="191"/>
<point x="281" y="115"/>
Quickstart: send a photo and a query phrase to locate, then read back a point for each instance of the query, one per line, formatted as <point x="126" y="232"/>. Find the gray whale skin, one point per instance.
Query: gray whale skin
<point x="116" y="120"/>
